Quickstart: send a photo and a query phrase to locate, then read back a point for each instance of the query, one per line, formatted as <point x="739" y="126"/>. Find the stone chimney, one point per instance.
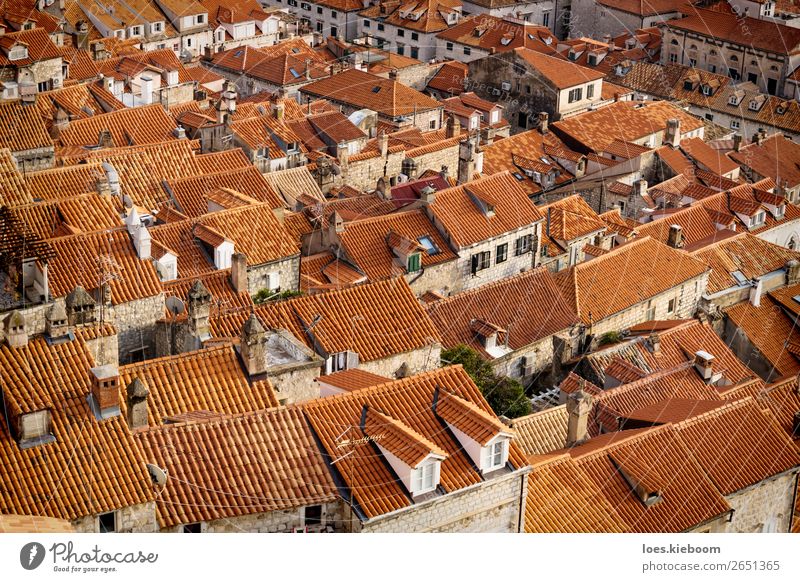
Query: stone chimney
<point x="792" y="271"/>
<point x="147" y="90"/>
<point x="760" y="136"/>
<point x="703" y="364"/>
<point x="452" y="126"/>
<point x="199" y="311"/>
<point x="672" y="135"/>
<point x="82" y="35"/>
<point x="383" y="145"/>
<point x="16" y="330"/>
<point x="278" y="110"/>
<point x="343" y="155"/>
<point x="80" y="307"/>
<point x="335" y="226"/>
<point x="737" y="142"/>
<point x="137" y="404"/>
<point x="544" y="121"/>
<point x="105" y="139"/>
<point x="675" y="236"/>
<point x="654" y="342"/>
<point x="445" y="174"/>
<point x="105" y="391"/>
<point x="239" y="273"/>
<point x="253" y="346"/>
<point x="579" y="404"/>
<point x="56" y="321"/>
<point x="428" y="195"/>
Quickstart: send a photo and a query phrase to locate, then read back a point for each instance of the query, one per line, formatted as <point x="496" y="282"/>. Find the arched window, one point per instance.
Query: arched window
<point x="675" y="42"/>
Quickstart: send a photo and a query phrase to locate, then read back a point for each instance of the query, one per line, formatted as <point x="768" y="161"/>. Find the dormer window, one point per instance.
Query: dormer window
<point x="34" y="429"/>
<point x="18" y="53"/>
<point x="592" y="60"/>
<point x="706" y="90"/>
<point x="758" y="219"/>
<point x="494" y="456"/>
<point x="425" y="478"/>
<point x="754" y="105"/>
<point x="429" y="245"/>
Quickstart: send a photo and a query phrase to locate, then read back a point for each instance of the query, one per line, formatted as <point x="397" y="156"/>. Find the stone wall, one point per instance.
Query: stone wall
<point x="439" y="278"/>
<point x="135" y="322"/>
<point x="764" y="507"/>
<point x="284" y="521"/>
<point x="496" y="505"/>
<point x="687" y="293"/>
<point x="296" y="383"/>
<point x="288" y="269"/>
<point x="413" y="362"/>
<point x="134" y="518"/>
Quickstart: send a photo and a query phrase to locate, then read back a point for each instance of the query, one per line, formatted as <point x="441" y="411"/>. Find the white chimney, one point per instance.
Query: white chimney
<point x="141" y="240"/>
<point x="147" y="90"/>
<point x="755" y="291"/>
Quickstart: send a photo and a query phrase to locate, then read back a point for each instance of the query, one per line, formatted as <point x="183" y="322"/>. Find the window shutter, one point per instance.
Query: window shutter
<point x="352" y="360"/>
<point x="474" y="264"/>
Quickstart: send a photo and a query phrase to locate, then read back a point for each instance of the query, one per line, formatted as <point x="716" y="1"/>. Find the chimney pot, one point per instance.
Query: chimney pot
<point x="579" y="404"/>
<point x="137" y="404"/>
<point x="105" y="391"/>
<point x="675" y="237"/>
<point x="239" y="278"/>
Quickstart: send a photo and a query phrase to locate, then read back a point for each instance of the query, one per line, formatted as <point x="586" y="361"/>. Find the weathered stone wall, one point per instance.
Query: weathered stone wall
<point x="764" y="507"/>
<point x="284" y="521"/>
<point x="288" y="269"/>
<point x="134" y="518"/>
<point x="415" y="361"/>
<point x="135" y="322"/>
<point x="496" y="505"/>
<point x="687" y="293"/>
<point x="296" y="384"/>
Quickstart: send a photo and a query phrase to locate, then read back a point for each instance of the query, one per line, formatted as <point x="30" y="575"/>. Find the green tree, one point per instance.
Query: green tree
<point x="505" y="395"/>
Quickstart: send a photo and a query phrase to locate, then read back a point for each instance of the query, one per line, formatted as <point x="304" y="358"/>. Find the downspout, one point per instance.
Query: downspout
<point x="522" y="502"/>
<point x="794" y="501"/>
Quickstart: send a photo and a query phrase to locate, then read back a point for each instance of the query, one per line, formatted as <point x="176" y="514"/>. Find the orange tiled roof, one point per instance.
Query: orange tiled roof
<point x="529" y="305"/>
<point x="347" y="319"/>
<point x="466" y="224"/>
<point x="746" y="253"/>
<point x="542" y="432"/>
<point x="61" y="479"/>
<point x="22" y="128"/>
<point x="138" y="126"/>
<point x="352" y="379"/>
<point x="365" y="242"/>
<point x="78" y="259"/>
<point x="632" y="273"/>
<point x="560" y="73"/>
<point x="375" y="490"/>
<point x="85" y="213"/>
<point x="34" y="524"/>
<point x="398" y="438"/>
<point x="357" y="88"/>
<point x="191" y="192"/>
<point x="450" y="78"/>
<point x="738" y="445"/>
<point x="496" y="34"/>
<point x="232" y="159"/>
<point x="624" y="120"/>
<point x="210" y="380"/>
<point x="261" y="463"/>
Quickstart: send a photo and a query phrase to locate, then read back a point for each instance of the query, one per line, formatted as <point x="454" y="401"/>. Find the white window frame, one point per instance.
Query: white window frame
<point x="426" y="473"/>
<point x="494" y="456"/>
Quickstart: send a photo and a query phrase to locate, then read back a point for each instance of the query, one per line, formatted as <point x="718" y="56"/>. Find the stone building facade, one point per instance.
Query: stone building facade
<point x="765" y="507"/>
<point x="132" y="519"/>
<point x="332" y="518"/>
<point x="493" y="506"/>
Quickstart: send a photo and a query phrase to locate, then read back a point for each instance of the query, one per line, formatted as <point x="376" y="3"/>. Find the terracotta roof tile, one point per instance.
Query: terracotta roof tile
<point x="61" y="479"/>
<point x="529" y="305"/>
<point x="352" y="379"/>
<point x="374" y="487"/>
<point x="260" y="463"/>
<point x="560" y="73"/>
<point x="493" y="33"/>
<point x="347" y="320"/>
<point x="210" y="379"/>
<point x="466" y="224"/>
<point x="649" y="268"/>
<point x="22" y="128"/>
<point x="138" y="126"/>
<point x="541" y="432"/>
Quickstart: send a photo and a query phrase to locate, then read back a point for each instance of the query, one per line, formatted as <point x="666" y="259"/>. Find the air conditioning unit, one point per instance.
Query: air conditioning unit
<point x="496" y="91"/>
<point x="505" y="86"/>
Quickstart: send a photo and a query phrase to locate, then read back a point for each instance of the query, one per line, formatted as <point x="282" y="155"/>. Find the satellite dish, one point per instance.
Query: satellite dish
<point x="157" y="474"/>
<point x="126" y="200"/>
<point x="175" y="305"/>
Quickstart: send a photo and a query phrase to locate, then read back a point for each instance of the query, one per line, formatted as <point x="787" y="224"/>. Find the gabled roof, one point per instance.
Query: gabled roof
<point x="364" y="90"/>
<point x="631" y="274"/>
<point x="560" y="73"/>
<point x="450" y="78"/>
<point x="778" y="157"/>
<point x="398" y="438"/>
<point x="36" y="40"/>
<point x="346" y="320"/>
<point x="493" y="33"/>
<point x="541" y="432"/>
<point x="746" y="253"/>
<point x="61" y="479"/>
<point x="262" y="462"/>
<point x="208" y="380"/>
<point x="149" y="124"/>
<point x="365" y="242"/>
<point x="365" y="475"/>
<point x="22" y="128"/>
<point x="466" y="224"/>
<point x="428" y="15"/>
<point x="528" y="305"/>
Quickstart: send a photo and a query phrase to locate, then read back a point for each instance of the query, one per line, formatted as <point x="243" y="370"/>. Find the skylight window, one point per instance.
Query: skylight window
<point x="376" y="89"/>
<point x="430" y="246"/>
<point x="238" y="53"/>
<point x="740" y="278"/>
<point x="796" y="298"/>
<point x="294" y="73"/>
